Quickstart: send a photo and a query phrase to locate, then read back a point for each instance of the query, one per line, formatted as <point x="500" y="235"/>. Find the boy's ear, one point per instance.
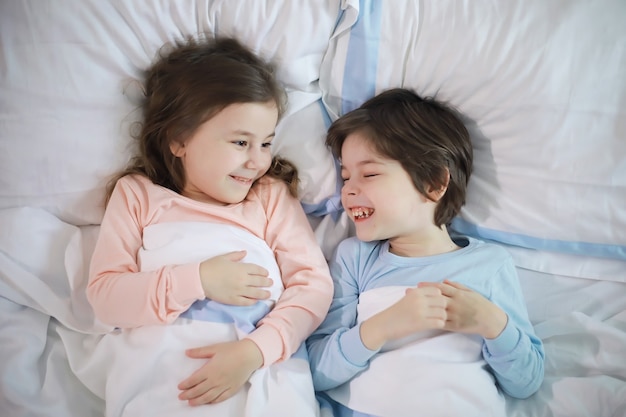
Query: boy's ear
<point x="177" y="148"/>
<point x="436" y="193"/>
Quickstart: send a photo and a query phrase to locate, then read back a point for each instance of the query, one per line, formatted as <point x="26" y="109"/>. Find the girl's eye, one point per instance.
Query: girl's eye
<point x="241" y="143"/>
<point x="266" y="145"/>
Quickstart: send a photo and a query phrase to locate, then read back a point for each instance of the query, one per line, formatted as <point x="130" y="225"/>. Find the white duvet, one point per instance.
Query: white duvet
<point x="438" y="373"/>
<point x="142" y="367"/>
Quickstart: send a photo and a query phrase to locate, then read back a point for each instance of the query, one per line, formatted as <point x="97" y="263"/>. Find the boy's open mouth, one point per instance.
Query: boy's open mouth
<point x="359" y="213"/>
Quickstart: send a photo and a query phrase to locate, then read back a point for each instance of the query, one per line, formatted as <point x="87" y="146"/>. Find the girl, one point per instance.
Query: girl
<point x="205" y="159"/>
<point x="417" y="317"/>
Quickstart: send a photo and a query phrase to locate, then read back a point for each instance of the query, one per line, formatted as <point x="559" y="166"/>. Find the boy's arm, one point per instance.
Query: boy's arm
<point x="336" y="352"/>
<point x="516" y="355"/>
<point x="510" y="346"/>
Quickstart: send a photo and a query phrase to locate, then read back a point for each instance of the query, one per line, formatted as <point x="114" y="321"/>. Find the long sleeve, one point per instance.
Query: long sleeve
<point x="119" y="293"/>
<point x="516" y="356"/>
<point x="123" y="296"/>
<point x="306" y="278"/>
<point x="336" y="352"/>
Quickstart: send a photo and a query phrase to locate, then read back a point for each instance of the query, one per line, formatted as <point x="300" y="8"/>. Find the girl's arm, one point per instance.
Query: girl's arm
<point x="120" y="295"/>
<point x="306" y="278"/>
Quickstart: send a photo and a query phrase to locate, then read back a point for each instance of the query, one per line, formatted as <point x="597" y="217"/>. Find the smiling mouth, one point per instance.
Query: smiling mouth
<point x="242" y="180"/>
<point x="360" y="213"/>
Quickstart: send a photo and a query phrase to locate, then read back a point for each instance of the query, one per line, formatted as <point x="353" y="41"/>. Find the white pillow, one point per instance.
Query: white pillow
<point x="543" y="89"/>
<point x="69" y="90"/>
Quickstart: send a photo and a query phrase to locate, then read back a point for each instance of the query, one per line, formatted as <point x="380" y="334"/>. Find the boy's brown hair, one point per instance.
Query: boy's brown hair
<point x="425" y="136"/>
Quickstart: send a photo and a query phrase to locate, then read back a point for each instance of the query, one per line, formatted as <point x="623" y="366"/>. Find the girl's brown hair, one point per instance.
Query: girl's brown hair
<point x="425" y="136"/>
<point x="190" y="82"/>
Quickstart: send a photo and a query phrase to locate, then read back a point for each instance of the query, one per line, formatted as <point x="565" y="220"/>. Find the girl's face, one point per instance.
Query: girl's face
<point x="228" y="152"/>
<point x="379" y="196"/>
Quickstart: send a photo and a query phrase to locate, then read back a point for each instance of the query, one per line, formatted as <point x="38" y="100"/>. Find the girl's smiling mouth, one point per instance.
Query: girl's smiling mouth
<point x="242" y="180"/>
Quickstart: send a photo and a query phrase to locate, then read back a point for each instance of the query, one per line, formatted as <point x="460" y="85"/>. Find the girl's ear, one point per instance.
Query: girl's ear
<point x="436" y="193"/>
<point x="177" y="149"/>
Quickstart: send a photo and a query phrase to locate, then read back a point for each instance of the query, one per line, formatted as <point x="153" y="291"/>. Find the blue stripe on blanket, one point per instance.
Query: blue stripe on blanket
<point x="332" y="204"/>
<point x="244" y="318"/>
<point x="359" y="77"/>
<point x="359" y="84"/>
<point x="530" y="242"/>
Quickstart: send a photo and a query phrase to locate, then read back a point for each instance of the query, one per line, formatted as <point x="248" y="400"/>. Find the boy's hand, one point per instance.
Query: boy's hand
<point x="420" y="309"/>
<point x="228" y="368"/>
<point x="468" y="311"/>
<point x="226" y="280"/>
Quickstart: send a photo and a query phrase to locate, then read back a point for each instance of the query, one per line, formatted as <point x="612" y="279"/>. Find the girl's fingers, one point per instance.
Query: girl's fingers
<point x="244" y="301"/>
<point x="260" y="282"/>
<point x="200" y="352"/>
<point x="257" y="294"/>
<point x="254" y="269"/>
<point x="226" y="394"/>
<point x="189" y="384"/>
<point x="202" y="396"/>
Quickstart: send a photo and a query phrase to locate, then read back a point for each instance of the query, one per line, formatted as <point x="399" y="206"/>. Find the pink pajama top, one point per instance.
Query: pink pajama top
<point x="124" y="297"/>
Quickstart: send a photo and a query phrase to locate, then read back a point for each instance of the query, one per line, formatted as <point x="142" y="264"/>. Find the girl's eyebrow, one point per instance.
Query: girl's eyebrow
<point x="250" y="134"/>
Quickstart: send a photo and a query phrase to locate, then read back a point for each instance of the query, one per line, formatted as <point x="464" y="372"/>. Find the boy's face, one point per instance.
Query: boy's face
<point x="379" y="196"/>
<point x="228" y="152"/>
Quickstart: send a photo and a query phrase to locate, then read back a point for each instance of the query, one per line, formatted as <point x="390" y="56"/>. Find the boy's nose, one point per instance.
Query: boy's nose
<point x="349" y="188"/>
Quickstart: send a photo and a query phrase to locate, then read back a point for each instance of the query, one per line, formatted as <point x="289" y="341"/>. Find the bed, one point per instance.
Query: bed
<point x="543" y="89"/>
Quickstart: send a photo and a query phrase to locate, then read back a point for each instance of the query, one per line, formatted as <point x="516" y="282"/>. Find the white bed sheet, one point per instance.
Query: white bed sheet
<point x="47" y="331"/>
<point x="66" y="105"/>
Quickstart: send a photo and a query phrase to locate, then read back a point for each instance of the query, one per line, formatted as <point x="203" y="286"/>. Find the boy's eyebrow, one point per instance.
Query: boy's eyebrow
<point x="365" y="162"/>
<point x="370" y="161"/>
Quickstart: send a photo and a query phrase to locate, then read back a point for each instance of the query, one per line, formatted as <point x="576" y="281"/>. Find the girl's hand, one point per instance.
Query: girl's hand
<point x="419" y="309"/>
<point x="229" y="367"/>
<point x="228" y="281"/>
<point x="468" y="311"/>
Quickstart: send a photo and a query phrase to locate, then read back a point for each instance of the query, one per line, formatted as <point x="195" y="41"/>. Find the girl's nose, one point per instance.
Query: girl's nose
<point x="255" y="158"/>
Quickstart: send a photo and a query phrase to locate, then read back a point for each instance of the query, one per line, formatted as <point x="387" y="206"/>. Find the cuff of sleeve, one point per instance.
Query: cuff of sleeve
<point x="505" y="342"/>
<point x="353" y="349"/>
<point x="186" y="284"/>
<point x="270" y="343"/>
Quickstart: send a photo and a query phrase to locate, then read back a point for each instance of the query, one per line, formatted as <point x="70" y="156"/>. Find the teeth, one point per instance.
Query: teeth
<point x="361" y="213"/>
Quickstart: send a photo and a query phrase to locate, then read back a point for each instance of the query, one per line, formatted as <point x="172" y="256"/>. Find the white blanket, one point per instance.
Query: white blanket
<point x="143" y="366"/>
<point x="433" y="373"/>
<point x="48" y="332"/>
